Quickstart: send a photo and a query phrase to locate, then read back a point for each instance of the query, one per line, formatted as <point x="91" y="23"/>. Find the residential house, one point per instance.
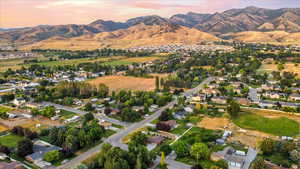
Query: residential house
<point x="11" y="165"/>
<point x="274" y="95"/>
<point x="235" y="159"/>
<point x="105" y="124"/>
<point x="266" y="104"/>
<point x="33" y="105"/>
<point x="294" y="97"/>
<point x="19" y="101"/>
<point x="210" y="92"/>
<point x="154" y="141"/>
<point x="219" y="100"/>
<point x="243" y="101"/>
<point x="40" y="148"/>
<point x="171" y="123"/>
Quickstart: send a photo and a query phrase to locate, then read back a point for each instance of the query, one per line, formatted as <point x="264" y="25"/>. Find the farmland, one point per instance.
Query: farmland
<point x="117" y="83"/>
<point x="15" y="64"/>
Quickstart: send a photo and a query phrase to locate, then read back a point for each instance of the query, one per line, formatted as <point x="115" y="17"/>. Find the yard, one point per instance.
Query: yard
<point x="277" y="126"/>
<point x="117" y="83"/>
<point x="10" y="140"/>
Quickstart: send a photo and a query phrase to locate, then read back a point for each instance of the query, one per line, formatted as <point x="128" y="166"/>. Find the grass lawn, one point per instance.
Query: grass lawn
<point x="66" y="114"/>
<point x="10" y="140"/>
<point x="276" y="126"/>
<point x="4" y="109"/>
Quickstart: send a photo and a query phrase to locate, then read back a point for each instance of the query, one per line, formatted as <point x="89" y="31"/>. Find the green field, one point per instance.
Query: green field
<point x="4" y="109"/>
<point x="277" y="126"/>
<point x="10" y="140"/>
<point x="66" y="114"/>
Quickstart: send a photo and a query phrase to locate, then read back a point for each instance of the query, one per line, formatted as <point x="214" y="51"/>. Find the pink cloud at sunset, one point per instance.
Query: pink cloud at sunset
<point x="20" y="13"/>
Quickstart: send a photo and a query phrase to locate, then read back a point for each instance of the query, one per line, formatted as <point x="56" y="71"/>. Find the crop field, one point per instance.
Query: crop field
<point x="10" y="140"/>
<point x="276" y="126"/>
<point x="117" y="83"/>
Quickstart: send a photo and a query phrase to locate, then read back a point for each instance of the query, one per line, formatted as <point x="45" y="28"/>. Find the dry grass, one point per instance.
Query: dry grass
<point x="139" y="35"/>
<point x="3" y="128"/>
<point x="117" y="83"/>
<point x="288" y="67"/>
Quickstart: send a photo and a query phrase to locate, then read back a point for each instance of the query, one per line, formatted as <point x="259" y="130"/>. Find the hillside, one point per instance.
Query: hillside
<point x="239" y="20"/>
<point x="276" y="37"/>
<point x="235" y="24"/>
<point x="138" y="35"/>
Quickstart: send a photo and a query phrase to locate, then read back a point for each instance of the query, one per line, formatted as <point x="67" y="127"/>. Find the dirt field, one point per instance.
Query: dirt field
<point x="247" y="137"/>
<point x="117" y="83"/>
<point x="29" y="123"/>
<point x="288" y="67"/>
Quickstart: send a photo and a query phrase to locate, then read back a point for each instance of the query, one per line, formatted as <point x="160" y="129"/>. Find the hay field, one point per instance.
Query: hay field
<point x="117" y="83"/>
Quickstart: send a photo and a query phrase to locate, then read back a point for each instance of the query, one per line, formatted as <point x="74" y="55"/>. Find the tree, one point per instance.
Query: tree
<point x="4" y="149"/>
<point x="52" y="156"/>
<point x="163" y="126"/>
<point x="197" y="166"/>
<point x="25" y="147"/>
<point x="139" y="138"/>
<point x="163" y="159"/>
<point x="166" y="149"/>
<point x="259" y="163"/>
<point x="233" y="109"/>
<point x="267" y="146"/>
<point x="280" y="66"/>
<point x="157" y="86"/>
<point x="165" y="116"/>
<point x="103" y="90"/>
<point x="200" y="151"/>
<point x="181" y="149"/>
<point x="88" y="117"/>
<point x="89" y="107"/>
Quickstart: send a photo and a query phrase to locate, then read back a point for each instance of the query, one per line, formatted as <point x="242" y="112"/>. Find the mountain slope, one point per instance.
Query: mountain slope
<point x="138" y="35"/>
<point x="239" y="20"/>
<point x="275" y="37"/>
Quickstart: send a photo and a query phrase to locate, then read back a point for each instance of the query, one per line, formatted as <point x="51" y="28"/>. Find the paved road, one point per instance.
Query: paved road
<point x="116" y="139"/>
<point x="77" y="111"/>
<point x="251" y="155"/>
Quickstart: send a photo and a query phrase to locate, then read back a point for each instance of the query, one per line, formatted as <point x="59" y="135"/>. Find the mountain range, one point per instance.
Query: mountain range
<point x="250" y="24"/>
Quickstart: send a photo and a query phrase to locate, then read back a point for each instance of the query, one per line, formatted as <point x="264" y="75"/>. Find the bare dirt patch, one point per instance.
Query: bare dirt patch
<point x="248" y="137"/>
<point x="29" y="123"/>
<point x="117" y="83"/>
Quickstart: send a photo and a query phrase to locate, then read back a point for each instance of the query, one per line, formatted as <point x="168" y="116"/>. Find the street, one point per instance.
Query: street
<point x="116" y="139"/>
<point x="80" y="112"/>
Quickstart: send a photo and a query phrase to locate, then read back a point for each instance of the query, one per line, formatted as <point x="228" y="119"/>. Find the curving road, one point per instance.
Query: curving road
<point x="116" y="139"/>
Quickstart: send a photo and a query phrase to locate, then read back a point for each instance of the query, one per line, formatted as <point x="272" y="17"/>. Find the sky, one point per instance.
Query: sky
<point x="22" y="13"/>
